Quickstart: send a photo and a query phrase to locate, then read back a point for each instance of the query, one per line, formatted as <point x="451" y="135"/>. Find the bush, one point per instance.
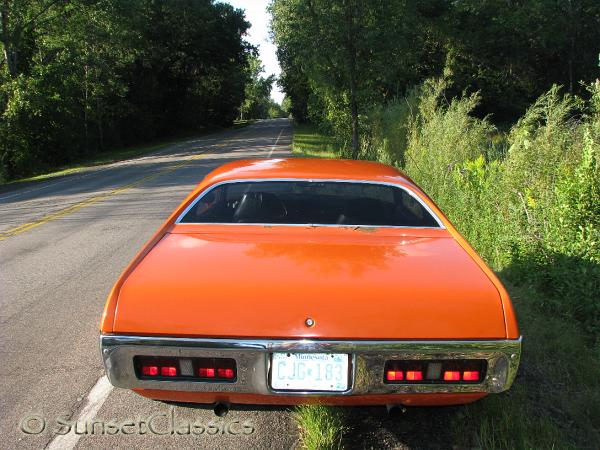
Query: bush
<point x="550" y="187"/>
<point x="528" y="201"/>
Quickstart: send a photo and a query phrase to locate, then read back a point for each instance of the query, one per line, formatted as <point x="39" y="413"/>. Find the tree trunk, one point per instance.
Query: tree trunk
<point x="10" y="52"/>
<point x="99" y="118"/>
<point x="572" y="33"/>
<point x="85" y="107"/>
<point x="570" y="76"/>
<point x="355" y="123"/>
<point x="351" y="50"/>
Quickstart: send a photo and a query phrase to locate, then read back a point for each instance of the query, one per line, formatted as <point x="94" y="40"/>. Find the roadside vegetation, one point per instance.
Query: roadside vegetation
<point x="119" y="154"/>
<point x="309" y="142"/>
<point x="534" y="216"/>
<point x="258" y="103"/>
<point x="497" y="117"/>
<point x="80" y="80"/>
<point x="321" y="427"/>
<point x="555" y="401"/>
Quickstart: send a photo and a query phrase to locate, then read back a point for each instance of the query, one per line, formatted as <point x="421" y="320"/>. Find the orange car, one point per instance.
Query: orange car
<point x="284" y="281"/>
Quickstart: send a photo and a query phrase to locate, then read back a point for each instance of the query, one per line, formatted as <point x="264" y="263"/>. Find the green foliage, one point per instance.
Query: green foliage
<point x="286" y="105"/>
<point x="321" y="427"/>
<point x="258" y="103"/>
<point x="442" y="135"/>
<point x="334" y="53"/>
<point x="294" y="82"/>
<point x="310" y="142"/>
<point x="82" y="77"/>
<point x="387" y="130"/>
<point x="503" y="424"/>
<point x="512" y="52"/>
<point x="340" y="57"/>
<point x="275" y="111"/>
<point x="532" y="209"/>
<point x="550" y="188"/>
<point x="555" y="401"/>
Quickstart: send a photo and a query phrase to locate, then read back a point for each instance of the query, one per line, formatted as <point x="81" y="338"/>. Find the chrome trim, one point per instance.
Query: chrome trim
<point x="253" y="362"/>
<point x="310" y="180"/>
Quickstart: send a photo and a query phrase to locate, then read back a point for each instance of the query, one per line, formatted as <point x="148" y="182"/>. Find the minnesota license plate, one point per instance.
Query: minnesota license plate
<point x="309" y="372"/>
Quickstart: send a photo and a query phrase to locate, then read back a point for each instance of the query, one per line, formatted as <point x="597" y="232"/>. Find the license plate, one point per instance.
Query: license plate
<point x="309" y="372"/>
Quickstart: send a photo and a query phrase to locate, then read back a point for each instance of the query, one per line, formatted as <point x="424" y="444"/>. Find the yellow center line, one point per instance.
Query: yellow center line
<point x="90" y="201"/>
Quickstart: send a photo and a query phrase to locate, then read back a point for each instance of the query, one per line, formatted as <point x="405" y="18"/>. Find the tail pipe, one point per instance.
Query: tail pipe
<point x="221" y="409"/>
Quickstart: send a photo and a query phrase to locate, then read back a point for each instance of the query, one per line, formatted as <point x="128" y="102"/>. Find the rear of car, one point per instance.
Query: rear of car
<point x="302" y="281"/>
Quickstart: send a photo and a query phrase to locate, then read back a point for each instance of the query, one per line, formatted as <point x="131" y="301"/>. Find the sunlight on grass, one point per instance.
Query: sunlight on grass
<point x="50" y="175"/>
<point x="321" y="427"/>
<point x="122" y="154"/>
<point x="310" y="142"/>
<point x="100" y="159"/>
<point x="558" y="376"/>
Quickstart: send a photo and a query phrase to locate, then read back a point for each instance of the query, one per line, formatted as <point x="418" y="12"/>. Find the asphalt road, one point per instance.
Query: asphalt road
<point x="63" y="243"/>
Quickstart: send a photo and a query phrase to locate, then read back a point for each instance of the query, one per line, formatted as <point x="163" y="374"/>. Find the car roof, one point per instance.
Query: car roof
<point x="307" y="168"/>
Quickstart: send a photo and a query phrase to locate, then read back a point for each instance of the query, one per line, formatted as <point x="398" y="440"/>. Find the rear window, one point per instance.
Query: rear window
<point x="309" y="202"/>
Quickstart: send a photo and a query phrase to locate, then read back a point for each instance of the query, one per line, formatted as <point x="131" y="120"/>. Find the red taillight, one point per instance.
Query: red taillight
<point x="471" y="375"/>
<point x="206" y="372"/>
<point x="394" y="375"/>
<point x="150" y="371"/>
<point x="219" y="370"/>
<point x="414" y="375"/>
<point x="168" y="371"/>
<point x="449" y="371"/>
<point x="451" y="375"/>
<point x="225" y="373"/>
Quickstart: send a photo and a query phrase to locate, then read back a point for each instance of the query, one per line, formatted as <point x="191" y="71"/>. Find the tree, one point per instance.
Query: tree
<point x="20" y="21"/>
<point x="340" y="58"/>
<point x="258" y="92"/>
<point x="352" y="53"/>
<point x="513" y="51"/>
<point x="294" y="83"/>
<point x="81" y="76"/>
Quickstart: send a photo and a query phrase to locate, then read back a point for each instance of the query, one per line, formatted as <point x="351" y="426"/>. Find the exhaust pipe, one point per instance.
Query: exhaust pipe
<point x="221" y="409"/>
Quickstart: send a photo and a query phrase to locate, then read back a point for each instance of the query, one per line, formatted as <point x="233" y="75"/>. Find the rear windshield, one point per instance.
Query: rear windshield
<point x="309" y="202"/>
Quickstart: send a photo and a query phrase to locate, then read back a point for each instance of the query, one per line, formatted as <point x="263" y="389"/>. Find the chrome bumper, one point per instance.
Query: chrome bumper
<point x="253" y="362"/>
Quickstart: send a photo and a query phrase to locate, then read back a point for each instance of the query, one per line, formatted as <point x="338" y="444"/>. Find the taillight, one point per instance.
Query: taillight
<point x="451" y="375"/>
<point x="206" y="372"/>
<point x="392" y="375"/>
<point x="225" y="373"/>
<point x="186" y="369"/>
<point x="459" y="371"/>
<point x="414" y="375"/>
<point x="470" y="375"/>
<point x="168" y="371"/>
<point x="150" y="371"/>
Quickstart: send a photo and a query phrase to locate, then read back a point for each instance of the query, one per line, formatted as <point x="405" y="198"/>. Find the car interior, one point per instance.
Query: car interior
<point x="302" y="202"/>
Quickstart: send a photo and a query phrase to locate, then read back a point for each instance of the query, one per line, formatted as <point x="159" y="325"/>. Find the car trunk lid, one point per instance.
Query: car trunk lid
<point x="353" y="283"/>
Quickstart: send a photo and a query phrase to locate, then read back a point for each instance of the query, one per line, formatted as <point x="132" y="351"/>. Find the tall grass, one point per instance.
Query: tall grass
<point x="321" y="427"/>
<point x="529" y="201"/>
<point x="555" y="401"/>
